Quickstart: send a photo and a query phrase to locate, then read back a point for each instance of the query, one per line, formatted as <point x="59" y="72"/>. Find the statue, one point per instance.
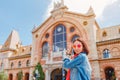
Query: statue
<point x="58" y="5"/>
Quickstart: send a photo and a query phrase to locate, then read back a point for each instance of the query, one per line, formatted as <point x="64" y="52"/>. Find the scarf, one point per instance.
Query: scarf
<point x="68" y="72"/>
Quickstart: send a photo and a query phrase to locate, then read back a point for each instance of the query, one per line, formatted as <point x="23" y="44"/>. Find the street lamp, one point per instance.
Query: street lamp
<point x="63" y="72"/>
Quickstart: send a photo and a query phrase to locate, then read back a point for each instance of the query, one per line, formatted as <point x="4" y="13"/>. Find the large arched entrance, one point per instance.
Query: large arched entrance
<point x="110" y="74"/>
<point x="57" y="74"/>
<point x="10" y="77"/>
<point x="27" y="76"/>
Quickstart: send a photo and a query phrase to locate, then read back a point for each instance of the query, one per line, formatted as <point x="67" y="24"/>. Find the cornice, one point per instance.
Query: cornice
<point x="106" y="59"/>
<point x="18" y="68"/>
<point x="106" y="42"/>
<point x="7" y="49"/>
<point x="19" y="56"/>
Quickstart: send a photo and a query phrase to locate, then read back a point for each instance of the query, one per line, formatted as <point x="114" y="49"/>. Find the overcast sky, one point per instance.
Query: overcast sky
<point x="23" y="15"/>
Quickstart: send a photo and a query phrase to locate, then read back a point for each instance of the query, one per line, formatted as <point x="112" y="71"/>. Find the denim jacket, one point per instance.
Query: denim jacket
<point x="80" y="68"/>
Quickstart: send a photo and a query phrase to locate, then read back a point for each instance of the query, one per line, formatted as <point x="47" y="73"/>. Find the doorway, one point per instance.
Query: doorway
<point x="57" y="74"/>
<point x="110" y="74"/>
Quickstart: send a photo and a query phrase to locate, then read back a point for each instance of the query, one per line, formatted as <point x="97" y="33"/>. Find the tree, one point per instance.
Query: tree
<point x="38" y="72"/>
<point x="3" y="76"/>
<point x="113" y="76"/>
<point x="20" y="75"/>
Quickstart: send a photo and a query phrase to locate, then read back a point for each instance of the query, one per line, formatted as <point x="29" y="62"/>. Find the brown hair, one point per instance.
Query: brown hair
<point x="85" y="48"/>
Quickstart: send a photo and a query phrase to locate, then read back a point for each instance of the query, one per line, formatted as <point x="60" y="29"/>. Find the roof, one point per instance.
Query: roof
<point x="11" y="42"/>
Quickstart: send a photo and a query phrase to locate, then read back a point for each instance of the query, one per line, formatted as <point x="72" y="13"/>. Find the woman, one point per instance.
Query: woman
<point x="79" y="67"/>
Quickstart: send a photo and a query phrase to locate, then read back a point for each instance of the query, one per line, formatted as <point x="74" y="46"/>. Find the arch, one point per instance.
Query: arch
<point x="115" y="49"/>
<point x="109" y="73"/>
<point x="27" y="76"/>
<point x="67" y="20"/>
<point x="10" y="76"/>
<point x="115" y="52"/>
<point x="62" y="20"/>
<point x="56" y="74"/>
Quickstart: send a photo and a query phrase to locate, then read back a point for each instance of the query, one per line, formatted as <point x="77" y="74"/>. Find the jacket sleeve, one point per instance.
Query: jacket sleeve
<point x="76" y="61"/>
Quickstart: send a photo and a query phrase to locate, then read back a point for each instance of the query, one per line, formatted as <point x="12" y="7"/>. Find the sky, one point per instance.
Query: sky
<point x="23" y="15"/>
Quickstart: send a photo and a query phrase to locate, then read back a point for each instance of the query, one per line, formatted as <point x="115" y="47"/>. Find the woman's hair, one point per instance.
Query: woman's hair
<point x="85" y="48"/>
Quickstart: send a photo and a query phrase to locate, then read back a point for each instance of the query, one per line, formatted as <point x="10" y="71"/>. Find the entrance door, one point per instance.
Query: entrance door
<point x="57" y="74"/>
<point x="110" y="74"/>
<point x="10" y="77"/>
<point x="27" y="76"/>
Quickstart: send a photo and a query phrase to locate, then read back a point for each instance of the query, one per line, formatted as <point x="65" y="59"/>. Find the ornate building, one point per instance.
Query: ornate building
<point x="55" y="35"/>
<point x="14" y="57"/>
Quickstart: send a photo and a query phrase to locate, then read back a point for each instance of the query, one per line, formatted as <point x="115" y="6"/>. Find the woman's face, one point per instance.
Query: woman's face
<point x="77" y="47"/>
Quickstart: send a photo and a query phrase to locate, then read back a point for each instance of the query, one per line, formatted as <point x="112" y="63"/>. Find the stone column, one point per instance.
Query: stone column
<point x="31" y="74"/>
<point x="48" y="73"/>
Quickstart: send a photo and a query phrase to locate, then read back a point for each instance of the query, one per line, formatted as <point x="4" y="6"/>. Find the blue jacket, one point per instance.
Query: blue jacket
<point x="80" y="68"/>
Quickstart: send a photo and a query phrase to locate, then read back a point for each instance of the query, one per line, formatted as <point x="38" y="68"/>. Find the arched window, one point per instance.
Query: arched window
<point x="45" y="49"/>
<point x="104" y="34"/>
<point x="28" y="63"/>
<point x="12" y="64"/>
<point x="74" y="37"/>
<point x="72" y="29"/>
<point x="119" y="31"/>
<point x="19" y="64"/>
<point x="106" y="53"/>
<point x="2" y="65"/>
<point x="59" y="38"/>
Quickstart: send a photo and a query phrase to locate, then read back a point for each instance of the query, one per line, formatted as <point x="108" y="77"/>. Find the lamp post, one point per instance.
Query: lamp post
<point x="37" y="74"/>
<point x="63" y="72"/>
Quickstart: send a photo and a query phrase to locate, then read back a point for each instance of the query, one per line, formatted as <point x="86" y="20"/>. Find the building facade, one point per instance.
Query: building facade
<point x="63" y="26"/>
<point x="55" y="35"/>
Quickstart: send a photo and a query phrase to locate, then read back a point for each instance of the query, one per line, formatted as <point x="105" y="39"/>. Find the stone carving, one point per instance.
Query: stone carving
<point x="58" y="5"/>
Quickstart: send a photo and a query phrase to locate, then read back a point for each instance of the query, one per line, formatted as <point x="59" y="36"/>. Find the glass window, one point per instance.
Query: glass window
<point x="74" y="37"/>
<point x="47" y="35"/>
<point x="45" y="49"/>
<point x="119" y="31"/>
<point x="106" y="53"/>
<point x="19" y="64"/>
<point x="104" y="34"/>
<point x="59" y="38"/>
<point x="2" y="65"/>
<point x="72" y="29"/>
<point x="12" y="65"/>
<point x="28" y="63"/>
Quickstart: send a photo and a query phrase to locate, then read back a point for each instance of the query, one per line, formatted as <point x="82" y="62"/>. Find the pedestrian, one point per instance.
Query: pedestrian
<point x="79" y="67"/>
